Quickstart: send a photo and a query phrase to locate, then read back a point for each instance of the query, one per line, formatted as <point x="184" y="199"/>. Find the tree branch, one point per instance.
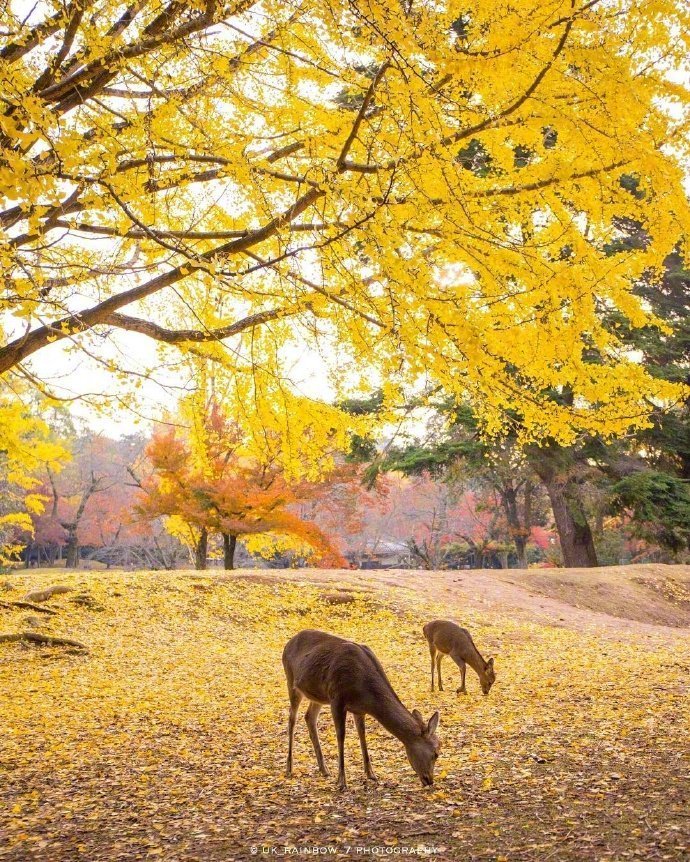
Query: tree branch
<point x="41" y="640"/>
<point x="17" y="350"/>
<point x="542" y="184"/>
<point x="15" y="51"/>
<point x="463" y="134"/>
<point x="180" y="336"/>
<point x="369" y="95"/>
<point x="138" y="233"/>
<point x="30" y="606"/>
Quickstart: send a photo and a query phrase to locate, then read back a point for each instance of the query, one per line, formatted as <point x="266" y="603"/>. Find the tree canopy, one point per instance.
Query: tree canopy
<point x="233" y="177"/>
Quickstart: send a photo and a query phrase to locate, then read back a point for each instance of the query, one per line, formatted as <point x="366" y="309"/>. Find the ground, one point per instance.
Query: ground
<point x="167" y="739"/>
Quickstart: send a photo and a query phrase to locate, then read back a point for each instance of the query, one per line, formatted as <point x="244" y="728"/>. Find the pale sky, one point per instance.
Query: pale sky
<point x="72" y="373"/>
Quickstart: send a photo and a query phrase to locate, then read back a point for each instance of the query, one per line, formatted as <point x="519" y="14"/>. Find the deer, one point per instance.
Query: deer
<point x="446" y="638"/>
<point x="347" y="676"/>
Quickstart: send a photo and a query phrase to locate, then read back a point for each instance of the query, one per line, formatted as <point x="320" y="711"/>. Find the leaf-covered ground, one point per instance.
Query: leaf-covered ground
<point x="167" y="740"/>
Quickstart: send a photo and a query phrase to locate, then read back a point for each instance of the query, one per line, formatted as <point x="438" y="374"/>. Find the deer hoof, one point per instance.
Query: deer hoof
<point x="462" y="691"/>
<point x="341" y="785"/>
<point x="372" y="777"/>
<point x="325" y="772"/>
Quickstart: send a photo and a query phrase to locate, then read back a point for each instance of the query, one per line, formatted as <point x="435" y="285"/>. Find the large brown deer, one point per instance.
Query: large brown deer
<point x="447" y="638"/>
<point x="346" y="675"/>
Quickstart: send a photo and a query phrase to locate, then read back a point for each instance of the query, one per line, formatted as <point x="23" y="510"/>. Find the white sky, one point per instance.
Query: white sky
<point x="71" y="373"/>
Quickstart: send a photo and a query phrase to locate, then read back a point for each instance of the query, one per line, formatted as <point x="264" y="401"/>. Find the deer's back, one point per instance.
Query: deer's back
<point x="448" y="637"/>
<point x="323" y="666"/>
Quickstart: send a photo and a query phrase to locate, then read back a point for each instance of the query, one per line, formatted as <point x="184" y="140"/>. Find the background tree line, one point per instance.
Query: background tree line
<point x="450" y="498"/>
<point x="608" y="500"/>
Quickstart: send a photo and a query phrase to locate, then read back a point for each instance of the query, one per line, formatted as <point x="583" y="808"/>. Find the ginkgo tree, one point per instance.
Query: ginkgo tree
<point x="27" y="447"/>
<point x="430" y="186"/>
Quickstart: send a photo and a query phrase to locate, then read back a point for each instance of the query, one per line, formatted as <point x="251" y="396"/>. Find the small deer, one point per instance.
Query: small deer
<point x="447" y="638"/>
<point x="346" y="675"/>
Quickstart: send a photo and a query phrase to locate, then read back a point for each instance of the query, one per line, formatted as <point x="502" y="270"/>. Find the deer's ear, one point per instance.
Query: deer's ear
<point x="490" y="663"/>
<point x="417" y="715"/>
<point x="433" y="723"/>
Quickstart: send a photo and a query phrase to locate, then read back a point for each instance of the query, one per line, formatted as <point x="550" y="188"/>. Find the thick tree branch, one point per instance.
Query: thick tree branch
<point x="49" y="73"/>
<point x="16" y="50"/>
<point x="180" y="336"/>
<point x="19" y="349"/>
<point x="138" y="233"/>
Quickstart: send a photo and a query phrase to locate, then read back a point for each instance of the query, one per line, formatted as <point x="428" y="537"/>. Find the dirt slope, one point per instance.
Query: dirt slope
<point x="640" y="598"/>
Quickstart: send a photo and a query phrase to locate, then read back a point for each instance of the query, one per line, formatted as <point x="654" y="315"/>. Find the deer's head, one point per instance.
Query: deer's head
<point x="423" y="748"/>
<point x="488" y="677"/>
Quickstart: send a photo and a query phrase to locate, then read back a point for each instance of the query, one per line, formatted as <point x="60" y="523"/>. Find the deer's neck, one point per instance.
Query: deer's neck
<point x="395" y="718"/>
<point x="476" y="662"/>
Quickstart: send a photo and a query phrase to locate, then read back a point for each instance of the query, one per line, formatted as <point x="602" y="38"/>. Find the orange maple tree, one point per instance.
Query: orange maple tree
<point x="226" y="492"/>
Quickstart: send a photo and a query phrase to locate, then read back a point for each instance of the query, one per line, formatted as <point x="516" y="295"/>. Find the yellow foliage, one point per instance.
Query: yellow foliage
<point x="425" y="191"/>
<point x="26" y="448"/>
<point x="298" y="435"/>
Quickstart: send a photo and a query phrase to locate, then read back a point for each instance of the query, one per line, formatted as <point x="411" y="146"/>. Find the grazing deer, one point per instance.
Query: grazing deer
<point x="330" y="670"/>
<point x="447" y="638"/>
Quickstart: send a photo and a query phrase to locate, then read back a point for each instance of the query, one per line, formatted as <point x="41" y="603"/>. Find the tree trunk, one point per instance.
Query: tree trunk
<point x="556" y="465"/>
<point x="72" y="551"/>
<point x="229" y="545"/>
<point x="574" y="532"/>
<point x="72" y="527"/>
<point x="168" y="565"/>
<point x="527" y="499"/>
<point x="52" y="554"/>
<point x="521" y="551"/>
<point x="201" y="550"/>
<point x="518" y="532"/>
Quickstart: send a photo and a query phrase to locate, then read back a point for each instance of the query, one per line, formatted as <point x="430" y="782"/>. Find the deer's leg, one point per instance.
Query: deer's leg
<point x="339" y="714"/>
<point x="438" y="666"/>
<point x="368" y="770"/>
<point x="432" y="650"/>
<point x="295" y="699"/>
<point x="311" y="717"/>
<point x="463" y="670"/>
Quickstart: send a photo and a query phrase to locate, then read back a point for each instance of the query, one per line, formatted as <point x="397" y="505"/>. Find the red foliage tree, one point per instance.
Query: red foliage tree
<point x="89" y="503"/>
<point x="225" y="492"/>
